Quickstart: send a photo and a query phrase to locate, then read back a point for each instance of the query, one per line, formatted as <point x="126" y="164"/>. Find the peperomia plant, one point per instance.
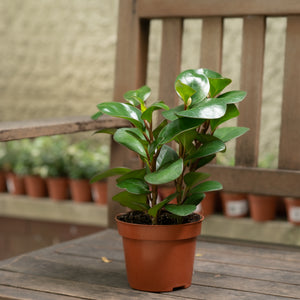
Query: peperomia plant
<point x="192" y="125"/>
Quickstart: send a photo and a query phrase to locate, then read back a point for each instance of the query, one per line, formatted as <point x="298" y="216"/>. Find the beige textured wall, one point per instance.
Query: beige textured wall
<point x="57" y="58"/>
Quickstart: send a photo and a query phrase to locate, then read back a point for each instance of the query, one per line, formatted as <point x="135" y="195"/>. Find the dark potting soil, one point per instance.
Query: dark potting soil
<point x="165" y="218"/>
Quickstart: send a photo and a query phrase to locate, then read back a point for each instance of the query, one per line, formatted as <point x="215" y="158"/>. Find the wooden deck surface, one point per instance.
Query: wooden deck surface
<point x="93" y="268"/>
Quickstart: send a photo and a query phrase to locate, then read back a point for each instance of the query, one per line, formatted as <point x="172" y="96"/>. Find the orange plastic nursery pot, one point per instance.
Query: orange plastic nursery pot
<point x="293" y="210"/>
<point x="99" y="192"/>
<point x="208" y="203"/>
<point x="35" y="186"/>
<point x="235" y="205"/>
<point x="80" y="190"/>
<point x="15" y="184"/>
<point x="58" y="188"/>
<point x="262" y="208"/>
<point x="159" y="258"/>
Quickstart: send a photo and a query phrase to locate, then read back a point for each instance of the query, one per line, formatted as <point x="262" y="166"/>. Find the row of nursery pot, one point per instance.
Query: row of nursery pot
<point x="237" y="205"/>
<point x="53" y="166"/>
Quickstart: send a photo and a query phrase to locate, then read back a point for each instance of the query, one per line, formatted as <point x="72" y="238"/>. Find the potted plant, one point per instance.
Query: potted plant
<point x="193" y="127"/>
<point x="292" y="206"/>
<point x="81" y="167"/>
<point x="55" y="165"/>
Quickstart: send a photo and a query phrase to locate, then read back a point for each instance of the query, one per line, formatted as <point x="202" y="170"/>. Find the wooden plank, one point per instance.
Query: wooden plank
<point x="170" y="59"/>
<point x="31" y="129"/>
<point x="204" y="8"/>
<point x="255" y="180"/>
<point x="289" y="157"/>
<point x="130" y="73"/>
<point x="251" y="81"/>
<point x="212" y="44"/>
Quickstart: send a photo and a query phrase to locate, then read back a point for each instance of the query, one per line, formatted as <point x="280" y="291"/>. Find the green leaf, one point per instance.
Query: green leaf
<point x="211" y="108"/>
<point x="217" y="85"/>
<point x="154" y="210"/>
<point x="139" y="96"/>
<point x="170" y="173"/>
<point x="197" y="81"/>
<point x="232" y="97"/>
<point x="207" y="149"/>
<point x="180" y="210"/>
<point x="231" y="113"/>
<point x="159" y="128"/>
<point x="228" y="133"/>
<point x="171" y="114"/>
<point x="137" y="134"/>
<point x="123" y="111"/>
<point x="177" y="127"/>
<point x="96" y="115"/>
<point x="207" y="186"/>
<point x="193" y="178"/>
<point x="124" y="138"/>
<point x="166" y="156"/>
<point x="195" y="198"/>
<point x="109" y="173"/>
<point x="184" y="91"/>
<point x="147" y="114"/>
<point x="106" y="130"/>
<point x="132" y="201"/>
<point x="137" y="174"/>
<point x="205" y="160"/>
<point x="134" y="186"/>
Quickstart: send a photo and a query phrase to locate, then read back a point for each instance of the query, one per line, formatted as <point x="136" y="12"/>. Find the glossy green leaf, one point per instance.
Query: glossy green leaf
<point x="232" y="97"/>
<point x="147" y="114"/>
<point x="171" y="114"/>
<point x="123" y="111"/>
<point x="207" y="186"/>
<point x="132" y="201"/>
<point x="195" y="198"/>
<point x="177" y="127"/>
<point x="207" y="149"/>
<point x="192" y="178"/>
<point x="136" y="174"/>
<point x="228" y="133"/>
<point x="197" y="81"/>
<point x="207" y="109"/>
<point x="165" y="175"/>
<point x="154" y="210"/>
<point x="205" y="160"/>
<point x="159" y="128"/>
<point x="217" y="85"/>
<point x="166" y="156"/>
<point x="137" y="134"/>
<point x="231" y="112"/>
<point x="186" y="140"/>
<point x="134" y="186"/>
<point x="109" y="173"/>
<point x="184" y="91"/>
<point x="139" y="96"/>
<point x="124" y="138"/>
<point x="180" y="210"/>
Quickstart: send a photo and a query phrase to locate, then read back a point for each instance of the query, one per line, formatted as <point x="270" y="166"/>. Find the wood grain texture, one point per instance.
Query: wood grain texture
<point x="252" y="82"/>
<point x="289" y="157"/>
<point x="223" y="270"/>
<point x="203" y="8"/>
<point x="212" y="44"/>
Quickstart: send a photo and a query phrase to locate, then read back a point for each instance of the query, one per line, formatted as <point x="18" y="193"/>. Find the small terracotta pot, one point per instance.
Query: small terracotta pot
<point x="99" y="192"/>
<point x="58" y="188"/>
<point x="15" y="184"/>
<point x="159" y="258"/>
<point x="262" y="208"/>
<point x="293" y="210"/>
<point x="235" y="205"/>
<point x="80" y="190"/>
<point x="35" y="186"/>
<point x="2" y="182"/>
<point x="207" y="205"/>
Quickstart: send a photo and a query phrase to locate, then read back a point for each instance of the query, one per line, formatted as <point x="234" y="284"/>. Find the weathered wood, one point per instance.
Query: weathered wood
<point x="289" y="157"/>
<point x="170" y="59"/>
<point x="256" y="180"/>
<point x="251" y="81"/>
<point x="222" y="271"/>
<point x="229" y="8"/>
<point x="31" y="129"/>
<point x="212" y="44"/>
